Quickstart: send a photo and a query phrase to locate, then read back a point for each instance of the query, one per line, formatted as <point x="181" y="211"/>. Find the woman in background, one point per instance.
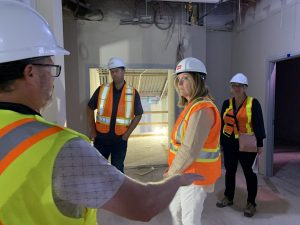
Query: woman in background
<point x="246" y="112"/>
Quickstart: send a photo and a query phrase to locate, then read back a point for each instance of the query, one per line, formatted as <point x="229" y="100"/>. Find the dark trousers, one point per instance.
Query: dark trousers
<point x="232" y="156"/>
<point x="115" y="148"/>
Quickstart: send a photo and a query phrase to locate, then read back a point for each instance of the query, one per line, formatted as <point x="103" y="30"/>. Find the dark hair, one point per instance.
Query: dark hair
<point x="11" y="71"/>
<point x="199" y="88"/>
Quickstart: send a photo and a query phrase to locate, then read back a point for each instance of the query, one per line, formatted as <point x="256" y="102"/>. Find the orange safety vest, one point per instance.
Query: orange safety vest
<point x="125" y="112"/>
<point x="208" y="163"/>
<point x="244" y="118"/>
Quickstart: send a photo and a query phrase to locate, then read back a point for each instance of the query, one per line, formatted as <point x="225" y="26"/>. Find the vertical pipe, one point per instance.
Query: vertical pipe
<point x="171" y="103"/>
<point x="239" y="12"/>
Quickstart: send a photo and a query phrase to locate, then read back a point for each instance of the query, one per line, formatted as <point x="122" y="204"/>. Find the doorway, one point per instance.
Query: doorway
<point x="283" y="148"/>
<point x="148" y="143"/>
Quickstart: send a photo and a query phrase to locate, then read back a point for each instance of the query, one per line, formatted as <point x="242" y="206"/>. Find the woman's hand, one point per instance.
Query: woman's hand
<point x="166" y="173"/>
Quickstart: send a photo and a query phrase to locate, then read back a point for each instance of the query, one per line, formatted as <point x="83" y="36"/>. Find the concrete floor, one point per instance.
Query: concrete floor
<point x="278" y="199"/>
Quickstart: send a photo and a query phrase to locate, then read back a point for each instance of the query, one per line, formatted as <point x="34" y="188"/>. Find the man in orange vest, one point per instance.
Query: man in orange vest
<point x="50" y="174"/>
<point x="119" y="111"/>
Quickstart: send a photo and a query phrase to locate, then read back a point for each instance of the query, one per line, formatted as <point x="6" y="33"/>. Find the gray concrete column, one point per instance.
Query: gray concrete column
<point x="52" y="12"/>
<point x="171" y="103"/>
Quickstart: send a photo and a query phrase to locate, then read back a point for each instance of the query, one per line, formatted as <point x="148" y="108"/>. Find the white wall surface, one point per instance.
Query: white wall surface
<point x="272" y="36"/>
<point x="74" y="108"/>
<point x="269" y="39"/>
<point x="52" y="11"/>
<point x="218" y="58"/>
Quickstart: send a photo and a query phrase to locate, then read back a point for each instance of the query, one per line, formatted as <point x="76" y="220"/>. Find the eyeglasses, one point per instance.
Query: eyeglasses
<point x="237" y="85"/>
<point x="181" y="79"/>
<point x="55" y="69"/>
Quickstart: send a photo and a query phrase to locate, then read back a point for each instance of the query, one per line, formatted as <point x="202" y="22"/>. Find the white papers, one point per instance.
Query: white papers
<point x="255" y="164"/>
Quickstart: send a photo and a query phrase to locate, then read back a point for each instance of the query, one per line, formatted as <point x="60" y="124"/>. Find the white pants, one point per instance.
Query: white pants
<point x="187" y="205"/>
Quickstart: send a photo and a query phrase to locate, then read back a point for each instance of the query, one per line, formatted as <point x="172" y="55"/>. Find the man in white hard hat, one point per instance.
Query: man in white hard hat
<point x="119" y="111"/>
<point x="50" y="174"/>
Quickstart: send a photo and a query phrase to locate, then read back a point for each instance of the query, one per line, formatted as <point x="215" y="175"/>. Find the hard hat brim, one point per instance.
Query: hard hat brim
<point x="31" y="53"/>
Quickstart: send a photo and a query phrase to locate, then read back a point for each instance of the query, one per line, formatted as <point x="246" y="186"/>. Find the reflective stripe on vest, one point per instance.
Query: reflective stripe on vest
<point x="206" y="155"/>
<point x="23" y="140"/>
<point x="103" y="98"/>
<point x="125" y="109"/>
<point x="128" y="99"/>
<point x="103" y="119"/>
<point x="249" y="115"/>
<point x="208" y="162"/>
<point x="244" y="117"/>
<point x="123" y="121"/>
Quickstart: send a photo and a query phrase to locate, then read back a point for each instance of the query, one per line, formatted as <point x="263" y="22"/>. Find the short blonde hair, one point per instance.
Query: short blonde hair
<point x="199" y="88"/>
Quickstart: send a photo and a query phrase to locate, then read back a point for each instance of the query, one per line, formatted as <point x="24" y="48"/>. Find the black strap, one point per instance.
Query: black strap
<point x="235" y="112"/>
<point x="236" y="121"/>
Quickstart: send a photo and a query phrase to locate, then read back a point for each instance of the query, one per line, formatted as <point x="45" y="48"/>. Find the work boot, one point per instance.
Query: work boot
<point x="250" y="210"/>
<point x="224" y="202"/>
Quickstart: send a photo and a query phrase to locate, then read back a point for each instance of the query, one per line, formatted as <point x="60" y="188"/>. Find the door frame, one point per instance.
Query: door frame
<point x="270" y="110"/>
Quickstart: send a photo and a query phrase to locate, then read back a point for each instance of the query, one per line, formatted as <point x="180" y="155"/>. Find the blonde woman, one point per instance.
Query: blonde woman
<point x="194" y="143"/>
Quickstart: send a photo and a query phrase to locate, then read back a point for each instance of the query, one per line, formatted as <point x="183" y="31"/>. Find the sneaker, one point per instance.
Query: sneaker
<point x="250" y="210"/>
<point x="224" y="202"/>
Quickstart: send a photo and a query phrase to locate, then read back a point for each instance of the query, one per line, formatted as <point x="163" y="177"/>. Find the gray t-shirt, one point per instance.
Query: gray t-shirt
<point x="83" y="178"/>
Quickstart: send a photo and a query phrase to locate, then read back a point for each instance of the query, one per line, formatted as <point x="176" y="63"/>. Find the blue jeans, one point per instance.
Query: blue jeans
<point x="115" y="148"/>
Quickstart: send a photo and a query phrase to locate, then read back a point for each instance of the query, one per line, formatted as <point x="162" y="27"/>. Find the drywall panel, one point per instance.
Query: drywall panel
<point x="139" y="47"/>
<point x="218" y="58"/>
<point x="52" y="11"/>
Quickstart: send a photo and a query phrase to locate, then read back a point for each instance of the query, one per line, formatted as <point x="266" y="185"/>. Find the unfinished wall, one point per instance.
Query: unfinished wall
<point x="52" y="12"/>
<point x="93" y="43"/>
<point x="272" y="34"/>
<point x="267" y="39"/>
<point x="218" y="62"/>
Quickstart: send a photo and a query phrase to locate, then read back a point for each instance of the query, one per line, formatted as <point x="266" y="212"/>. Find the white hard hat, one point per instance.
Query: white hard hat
<point x="24" y="33"/>
<point x="239" y="78"/>
<point x="115" y="62"/>
<point x="190" y="64"/>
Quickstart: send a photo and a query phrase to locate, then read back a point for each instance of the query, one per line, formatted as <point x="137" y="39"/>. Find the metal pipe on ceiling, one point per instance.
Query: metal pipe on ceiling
<point x="239" y="12"/>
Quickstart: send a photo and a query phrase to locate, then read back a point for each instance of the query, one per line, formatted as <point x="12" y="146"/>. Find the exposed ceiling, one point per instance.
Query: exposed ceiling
<point x="222" y="15"/>
<point x="214" y="14"/>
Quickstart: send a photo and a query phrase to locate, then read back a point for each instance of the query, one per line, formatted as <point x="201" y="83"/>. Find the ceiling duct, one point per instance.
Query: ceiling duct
<point x="82" y="10"/>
